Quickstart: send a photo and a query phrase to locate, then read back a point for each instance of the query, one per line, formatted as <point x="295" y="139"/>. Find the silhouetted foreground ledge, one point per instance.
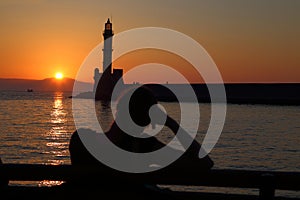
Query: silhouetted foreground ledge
<point x="266" y="181"/>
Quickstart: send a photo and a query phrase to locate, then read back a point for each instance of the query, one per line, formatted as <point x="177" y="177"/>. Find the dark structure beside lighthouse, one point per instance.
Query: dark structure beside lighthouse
<point x="106" y="81"/>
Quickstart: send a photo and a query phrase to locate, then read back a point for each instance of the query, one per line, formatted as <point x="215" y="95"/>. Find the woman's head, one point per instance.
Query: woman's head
<point x="140" y="101"/>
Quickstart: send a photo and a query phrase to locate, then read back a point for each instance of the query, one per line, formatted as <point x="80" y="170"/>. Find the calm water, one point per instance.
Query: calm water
<point x="36" y="128"/>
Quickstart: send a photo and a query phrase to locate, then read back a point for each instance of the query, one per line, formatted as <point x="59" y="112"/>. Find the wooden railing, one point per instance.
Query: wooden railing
<point x="266" y="181"/>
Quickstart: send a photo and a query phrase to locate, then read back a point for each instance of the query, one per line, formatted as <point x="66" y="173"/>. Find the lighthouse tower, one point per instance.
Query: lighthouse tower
<point x="107" y="49"/>
<point x="105" y="82"/>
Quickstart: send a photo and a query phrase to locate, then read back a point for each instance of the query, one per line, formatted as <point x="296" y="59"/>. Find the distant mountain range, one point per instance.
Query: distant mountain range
<point x="49" y="84"/>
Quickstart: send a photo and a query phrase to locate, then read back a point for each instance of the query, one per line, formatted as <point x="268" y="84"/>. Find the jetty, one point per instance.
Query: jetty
<point x="267" y="182"/>
<point x="239" y="93"/>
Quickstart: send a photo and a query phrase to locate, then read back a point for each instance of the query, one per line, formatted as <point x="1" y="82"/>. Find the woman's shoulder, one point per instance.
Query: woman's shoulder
<point x="150" y="143"/>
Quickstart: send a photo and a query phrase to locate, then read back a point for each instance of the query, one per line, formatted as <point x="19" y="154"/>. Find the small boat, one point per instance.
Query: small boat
<point x="29" y="90"/>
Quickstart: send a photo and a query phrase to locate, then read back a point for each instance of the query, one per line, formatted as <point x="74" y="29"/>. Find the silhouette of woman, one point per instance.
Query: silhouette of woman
<point x="141" y="100"/>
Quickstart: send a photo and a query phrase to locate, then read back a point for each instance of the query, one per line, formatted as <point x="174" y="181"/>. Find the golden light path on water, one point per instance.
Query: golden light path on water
<point x="55" y="136"/>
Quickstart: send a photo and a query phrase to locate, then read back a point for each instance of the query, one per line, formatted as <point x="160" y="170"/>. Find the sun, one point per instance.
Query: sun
<point x="59" y="76"/>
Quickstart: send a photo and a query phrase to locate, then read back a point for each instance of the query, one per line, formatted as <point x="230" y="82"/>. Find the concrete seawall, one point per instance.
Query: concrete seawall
<point x="252" y="93"/>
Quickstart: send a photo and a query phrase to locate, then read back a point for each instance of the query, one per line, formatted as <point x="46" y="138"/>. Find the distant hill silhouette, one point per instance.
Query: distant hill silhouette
<point x="49" y="84"/>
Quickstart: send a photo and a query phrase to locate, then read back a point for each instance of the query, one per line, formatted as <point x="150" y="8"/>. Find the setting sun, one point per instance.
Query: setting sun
<point x="59" y="75"/>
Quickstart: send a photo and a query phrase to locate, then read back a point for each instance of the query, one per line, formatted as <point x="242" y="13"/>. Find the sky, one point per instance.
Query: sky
<point x="250" y="41"/>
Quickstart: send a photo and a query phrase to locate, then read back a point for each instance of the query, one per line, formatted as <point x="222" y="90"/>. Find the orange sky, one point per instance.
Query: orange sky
<point x="140" y="57"/>
<point x="255" y="41"/>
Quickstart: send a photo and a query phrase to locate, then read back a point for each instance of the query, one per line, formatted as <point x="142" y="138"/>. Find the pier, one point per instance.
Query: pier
<point x="266" y="181"/>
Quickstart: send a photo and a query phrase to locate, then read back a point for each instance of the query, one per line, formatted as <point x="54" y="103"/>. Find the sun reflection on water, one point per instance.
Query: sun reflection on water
<point x="57" y="137"/>
<point x="58" y="114"/>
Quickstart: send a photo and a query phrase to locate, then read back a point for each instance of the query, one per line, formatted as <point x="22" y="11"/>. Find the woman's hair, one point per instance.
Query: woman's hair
<point x="140" y="101"/>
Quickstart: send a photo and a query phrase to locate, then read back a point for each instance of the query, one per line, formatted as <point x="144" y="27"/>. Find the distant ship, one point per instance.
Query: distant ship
<point x="29" y="90"/>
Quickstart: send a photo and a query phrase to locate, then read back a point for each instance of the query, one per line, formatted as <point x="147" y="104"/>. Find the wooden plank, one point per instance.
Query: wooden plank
<point x="178" y="176"/>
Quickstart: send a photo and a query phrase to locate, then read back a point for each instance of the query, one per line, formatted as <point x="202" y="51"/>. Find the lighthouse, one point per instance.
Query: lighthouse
<point x="106" y="81"/>
<point x="107" y="49"/>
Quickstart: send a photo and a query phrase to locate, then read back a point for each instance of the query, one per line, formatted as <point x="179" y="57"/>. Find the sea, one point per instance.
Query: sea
<point x="36" y="128"/>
